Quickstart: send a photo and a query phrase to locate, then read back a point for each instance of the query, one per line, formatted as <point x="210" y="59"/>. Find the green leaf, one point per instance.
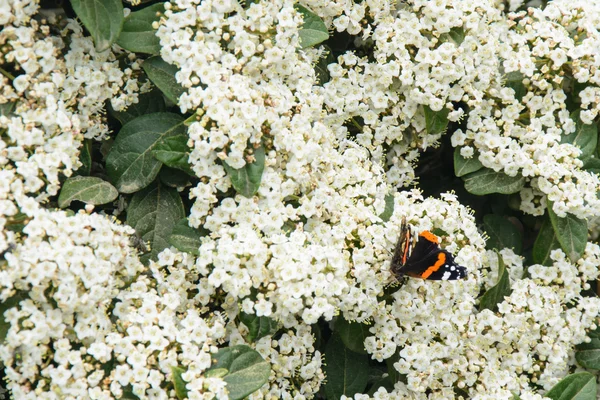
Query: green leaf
<point x="579" y="386"/>
<point x="353" y="334"/>
<point x="216" y="373"/>
<point x="87" y="189"/>
<point x="258" y="327"/>
<point x="153" y="212"/>
<point x="436" y="121"/>
<point x="180" y="390"/>
<point x="6" y="109"/>
<point x="246" y="180"/>
<point x="502" y="234"/>
<point x="585" y="136"/>
<point x="162" y="74"/>
<point x="148" y="103"/>
<point x="313" y="30"/>
<point x="464" y="166"/>
<point x="389" y="208"/>
<point x="248" y="371"/>
<point x="322" y="72"/>
<point x="173" y="177"/>
<point x="487" y="181"/>
<point x="496" y="294"/>
<point x="514" y="80"/>
<point x="456" y="36"/>
<point x="185" y="238"/>
<point x="588" y="354"/>
<point x="545" y="242"/>
<point x="85" y="156"/>
<point x="174" y="152"/>
<point x="103" y="18"/>
<point x="130" y="164"/>
<point x="592" y="164"/>
<point x="138" y="35"/>
<point x="571" y="233"/>
<point x="347" y="372"/>
<point x="11" y="302"/>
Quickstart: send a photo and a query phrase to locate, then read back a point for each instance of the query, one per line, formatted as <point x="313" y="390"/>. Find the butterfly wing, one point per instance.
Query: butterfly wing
<point x="428" y="261"/>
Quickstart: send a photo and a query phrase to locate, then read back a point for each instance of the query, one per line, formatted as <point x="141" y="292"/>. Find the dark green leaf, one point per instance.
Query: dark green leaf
<point x="130" y="164"/>
<point x="456" y="36"/>
<point x="137" y="35"/>
<point x="592" y="164"/>
<point x="246" y="180"/>
<point x="180" y="390"/>
<point x="185" y="238"/>
<point x="545" y="242"/>
<point x="514" y="80"/>
<point x="436" y="121"/>
<point x="585" y="136"/>
<point x="174" y="152"/>
<point x="173" y="177"/>
<point x="148" y="103"/>
<point x="87" y="189"/>
<point x="496" y="294"/>
<point x="103" y="18"/>
<point x="85" y="156"/>
<point x="153" y="213"/>
<point x="352" y="334"/>
<point x="162" y="74"/>
<point x="487" y="181"/>
<point x="6" y="109"/>
<point x="313" y="30"/>
<point x="347" y="372"/>
<point x="127" y="392"/>
<point x="464" y="166"/>
<point x="258" y="327"/>
<point x="502" y="233"/>
<point x="389" y="208"/>
<point x="571" y="233"/>
<point x="588" y="354"/>
<point x="321" y="67"/>
<point x="579" y="386"/>
<point x="248" y="371"/>
<point x="5" y="306"/>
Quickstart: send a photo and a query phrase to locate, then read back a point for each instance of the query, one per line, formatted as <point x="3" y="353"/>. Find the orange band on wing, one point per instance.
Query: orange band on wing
<point x="440" y="261"/>
<point x="430" y="236"/>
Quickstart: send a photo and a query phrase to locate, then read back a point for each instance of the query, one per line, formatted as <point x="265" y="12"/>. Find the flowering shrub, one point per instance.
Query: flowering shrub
<point x="203" y="199"/>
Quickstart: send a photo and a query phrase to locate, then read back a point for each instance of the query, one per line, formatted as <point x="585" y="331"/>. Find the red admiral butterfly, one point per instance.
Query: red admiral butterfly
<point x="423" y="258"/>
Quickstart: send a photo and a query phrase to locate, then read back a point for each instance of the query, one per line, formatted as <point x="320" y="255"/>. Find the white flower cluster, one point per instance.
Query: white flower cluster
<point x="430" y="54"/>
<point x="527" y="343"/>
<point x="62" y="275"/>
<point x="523" y="133"/>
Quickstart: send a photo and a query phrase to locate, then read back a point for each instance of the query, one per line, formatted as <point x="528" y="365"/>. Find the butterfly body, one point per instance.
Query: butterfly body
<point x="422" y="257"/>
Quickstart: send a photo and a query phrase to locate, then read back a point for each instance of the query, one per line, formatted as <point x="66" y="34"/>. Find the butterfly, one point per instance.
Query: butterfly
<point x="422" y="257"/>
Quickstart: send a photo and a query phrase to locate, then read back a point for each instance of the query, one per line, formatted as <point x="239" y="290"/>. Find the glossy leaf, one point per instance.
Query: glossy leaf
<point x="353" y="334"/>
<point x="585" y="136"/>
<point x="514" y="80"/>
<point x="487" y="181"/>
<point x="130" y="163"/>
<point x="174" y="152"/>
<point x="456" y="36"/>
<point x="545" y="242"/>
<point x="85" y="156"/>
<point x="502" y="233"/>
<point x="148" y="103"/>
<point x="571" y="232"/>
<point x="178" y="383"/>
<point x="313" y="30"/>
<point x="153" y="212"/>
<point x="185" y="238"/>
<point x="247" y="370"/>
<point x="258" y="327"/>
<point x="138" y="35"/>
<point x="87" y="189"/>
<point x="588" y="354"/>
<point x="496" y="293"/>
<point x="579" y="386"/>
<point x="464" y="166"/>
<point x="162" y="74"/>
<point x="246" y="180"/>
<point x="102" y="18"/>
<point x="592" y="164"/>
<point x="347" y="372"/>
<point x="436" y="121"/>
<point x="173" y="177"/>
